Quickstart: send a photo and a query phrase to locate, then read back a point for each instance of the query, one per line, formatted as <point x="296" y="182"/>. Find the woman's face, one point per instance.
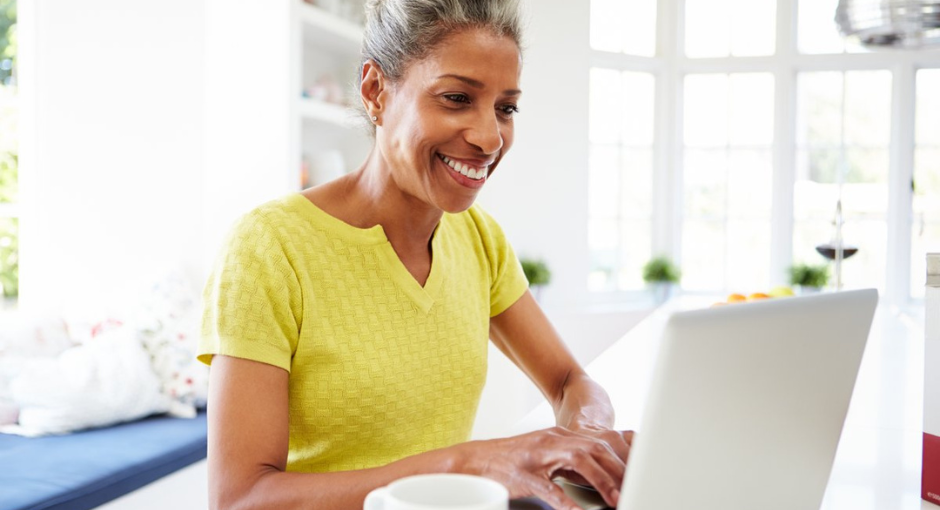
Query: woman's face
<point x="448" y="121"/>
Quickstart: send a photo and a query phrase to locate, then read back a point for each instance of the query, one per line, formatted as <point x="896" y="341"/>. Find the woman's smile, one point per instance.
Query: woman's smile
<point x="469" y="173"/>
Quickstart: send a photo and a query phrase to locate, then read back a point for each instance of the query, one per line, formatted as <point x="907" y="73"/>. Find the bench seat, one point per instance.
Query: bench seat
<point x="86" y="469"/>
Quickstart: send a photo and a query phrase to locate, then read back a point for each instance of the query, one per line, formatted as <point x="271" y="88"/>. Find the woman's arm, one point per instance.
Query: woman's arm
<point x="525" y="335"/>
<point x="248" y="446"/>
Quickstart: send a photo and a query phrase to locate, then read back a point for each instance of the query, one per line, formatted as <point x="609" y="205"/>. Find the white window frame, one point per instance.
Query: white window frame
<point x="670" y="66"/>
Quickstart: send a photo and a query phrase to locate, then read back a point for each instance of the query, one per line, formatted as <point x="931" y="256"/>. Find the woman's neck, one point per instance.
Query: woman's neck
<point x="370" y="196"/>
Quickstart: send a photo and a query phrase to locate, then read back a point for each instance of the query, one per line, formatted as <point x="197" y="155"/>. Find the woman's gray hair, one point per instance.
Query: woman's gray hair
<point x="398" y="32"/>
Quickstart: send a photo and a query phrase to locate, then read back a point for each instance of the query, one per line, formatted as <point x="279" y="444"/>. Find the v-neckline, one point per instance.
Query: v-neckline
<point x="422" y="296"/>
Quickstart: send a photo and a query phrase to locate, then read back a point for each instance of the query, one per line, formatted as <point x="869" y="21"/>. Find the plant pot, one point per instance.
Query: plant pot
<point x="806" y="290"/>
<point x="661" y="291"/>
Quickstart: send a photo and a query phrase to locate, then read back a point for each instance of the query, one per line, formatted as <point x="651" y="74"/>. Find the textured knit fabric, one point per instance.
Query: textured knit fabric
<point x="380" y="367"/>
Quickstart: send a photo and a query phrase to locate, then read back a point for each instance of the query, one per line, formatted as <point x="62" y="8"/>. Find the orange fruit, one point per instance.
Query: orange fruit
<point x="737" y="298"/>
<point x="757" y="295"/>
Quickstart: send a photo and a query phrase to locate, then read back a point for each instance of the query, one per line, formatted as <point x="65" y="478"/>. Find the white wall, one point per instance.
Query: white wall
<point x="114" y="186"/>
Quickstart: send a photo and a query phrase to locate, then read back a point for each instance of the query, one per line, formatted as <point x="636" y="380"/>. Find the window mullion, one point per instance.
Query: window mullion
<point x="667" y="221"/>
<point x="900" y="175"/>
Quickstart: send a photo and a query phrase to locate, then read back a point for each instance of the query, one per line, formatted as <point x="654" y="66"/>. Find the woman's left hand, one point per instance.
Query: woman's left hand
<point x="619" y="441"/>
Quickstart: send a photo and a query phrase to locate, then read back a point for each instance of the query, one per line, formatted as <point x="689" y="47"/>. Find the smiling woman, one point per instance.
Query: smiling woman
<point x="347" y="325"/>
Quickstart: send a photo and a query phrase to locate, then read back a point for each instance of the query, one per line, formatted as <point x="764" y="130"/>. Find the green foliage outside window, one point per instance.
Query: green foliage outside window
<point x="7" y="40"/>
<point x="9" y="227"/>
<point x="9" y="257"/>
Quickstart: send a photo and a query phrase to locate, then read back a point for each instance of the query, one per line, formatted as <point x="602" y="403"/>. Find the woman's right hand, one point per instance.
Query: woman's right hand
<point x="527" y="464"/>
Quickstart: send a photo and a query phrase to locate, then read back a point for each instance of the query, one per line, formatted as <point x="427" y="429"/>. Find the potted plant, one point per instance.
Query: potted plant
<point x="537" y="273"/>
<point x="661" y="274"/>
<point x="809" y="278"/>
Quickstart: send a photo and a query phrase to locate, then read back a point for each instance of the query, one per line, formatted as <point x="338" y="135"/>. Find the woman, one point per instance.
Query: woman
<point x="347" y="325"/>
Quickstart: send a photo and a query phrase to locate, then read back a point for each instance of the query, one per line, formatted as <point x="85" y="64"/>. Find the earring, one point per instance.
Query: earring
<point x="374" y="118"/>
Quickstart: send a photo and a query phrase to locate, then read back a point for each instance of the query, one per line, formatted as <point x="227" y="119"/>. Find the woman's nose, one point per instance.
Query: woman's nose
<point x="485" y="133"/>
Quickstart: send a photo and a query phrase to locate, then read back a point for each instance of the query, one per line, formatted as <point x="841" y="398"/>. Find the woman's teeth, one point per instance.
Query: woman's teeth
<point x="465" y="170"/>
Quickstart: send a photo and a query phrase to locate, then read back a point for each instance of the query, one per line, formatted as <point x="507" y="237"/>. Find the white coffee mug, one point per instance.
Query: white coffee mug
<point x="440" y="492"/>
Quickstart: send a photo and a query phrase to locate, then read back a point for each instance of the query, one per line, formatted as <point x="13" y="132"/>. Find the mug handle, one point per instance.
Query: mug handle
<point x="375" y="500"/>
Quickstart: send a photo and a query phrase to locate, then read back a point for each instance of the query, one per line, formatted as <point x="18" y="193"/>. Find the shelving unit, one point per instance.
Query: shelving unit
<point x="260" y="58"/>
<point x="328" y="57"/>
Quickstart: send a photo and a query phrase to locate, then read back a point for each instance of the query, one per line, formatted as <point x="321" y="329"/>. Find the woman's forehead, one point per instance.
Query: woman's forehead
<point x="477" y="57"/>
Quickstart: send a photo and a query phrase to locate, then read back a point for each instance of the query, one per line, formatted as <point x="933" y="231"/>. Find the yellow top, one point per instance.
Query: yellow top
<point x="380" y="367"/>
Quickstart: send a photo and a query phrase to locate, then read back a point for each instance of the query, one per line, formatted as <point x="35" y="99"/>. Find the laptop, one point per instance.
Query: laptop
<point x="746" y="406"/>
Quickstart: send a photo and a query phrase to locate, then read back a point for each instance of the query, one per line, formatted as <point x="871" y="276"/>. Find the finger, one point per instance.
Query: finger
<point x="547" y="491"/>
<point x="628" y="436"/>
<point x="603" y="472"/>
<point x="604" y="454"/>
<point x="618" y="443"/>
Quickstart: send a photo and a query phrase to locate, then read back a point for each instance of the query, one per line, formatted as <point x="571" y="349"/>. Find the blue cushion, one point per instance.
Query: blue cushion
<point x="86" y="469"/>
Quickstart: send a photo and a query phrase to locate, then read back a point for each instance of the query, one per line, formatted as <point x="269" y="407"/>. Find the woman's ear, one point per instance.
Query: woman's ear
<point x="372" y="90"/>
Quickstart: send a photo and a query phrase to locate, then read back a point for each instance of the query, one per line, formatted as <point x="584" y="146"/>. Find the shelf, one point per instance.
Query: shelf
<point x="329" y="113"/>
<point x="324" y="29"/>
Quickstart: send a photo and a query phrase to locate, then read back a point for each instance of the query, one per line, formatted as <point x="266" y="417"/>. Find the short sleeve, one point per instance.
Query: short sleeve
<point x="507" y="281"/>
<point x="252" y="300"/>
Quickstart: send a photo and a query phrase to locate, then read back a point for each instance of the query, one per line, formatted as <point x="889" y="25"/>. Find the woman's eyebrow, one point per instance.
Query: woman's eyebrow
<point x="477" y="84"/>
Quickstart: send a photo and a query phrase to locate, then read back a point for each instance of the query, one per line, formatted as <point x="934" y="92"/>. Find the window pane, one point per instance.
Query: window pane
<point x="927" y="183"/>
<point x="749" y="186"/>
<point x="705" y="179"/>
<point x="637" y="250"/>
<point x="639" y="101"/>
<point x="817" y="29"/>
<point x="703" y="256"/>
<point x="867" y="267"/>
<point x="928" y="107"/>
<point x="819" y="109"/>
<point x="748" y="256"/>
<point x="751" y="119"/>
<point x="844" y="125"/>
<point x="606" y="28"/>
<point x="753" y="29"/>
<point x="628" y="27"/>
<point x="606" y="106"/>
<point x="868" y="108"/>
<point x="818" y="165"/>
<point x="719" y="28"/>
<point x="620" y="178"/>
<point x="603" y="237"/>
<point x="706" y="110"/>
<point x="604" y="182"/>
<point x="707" y="28"/>
<point x="639" y="28"/>
<point x="866" y="166"/>
<point x="814" y="200"/>
<point x="636" y="200"/>
<point x="806" y="236"/>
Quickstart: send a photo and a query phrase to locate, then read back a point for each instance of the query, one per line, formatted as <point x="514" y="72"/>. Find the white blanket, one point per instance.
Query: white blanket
<point x="108" y="379"/>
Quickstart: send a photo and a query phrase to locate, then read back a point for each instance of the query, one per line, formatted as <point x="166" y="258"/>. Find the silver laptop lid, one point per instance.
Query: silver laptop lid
<point x="747" y="404"/>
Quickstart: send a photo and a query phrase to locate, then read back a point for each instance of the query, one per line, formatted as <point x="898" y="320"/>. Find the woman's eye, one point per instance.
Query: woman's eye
<point x="509" y="109"/>
<point x="457" y="98"/>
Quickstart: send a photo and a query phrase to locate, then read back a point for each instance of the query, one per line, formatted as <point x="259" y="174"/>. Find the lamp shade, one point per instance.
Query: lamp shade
<point x="891" y="23"/>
